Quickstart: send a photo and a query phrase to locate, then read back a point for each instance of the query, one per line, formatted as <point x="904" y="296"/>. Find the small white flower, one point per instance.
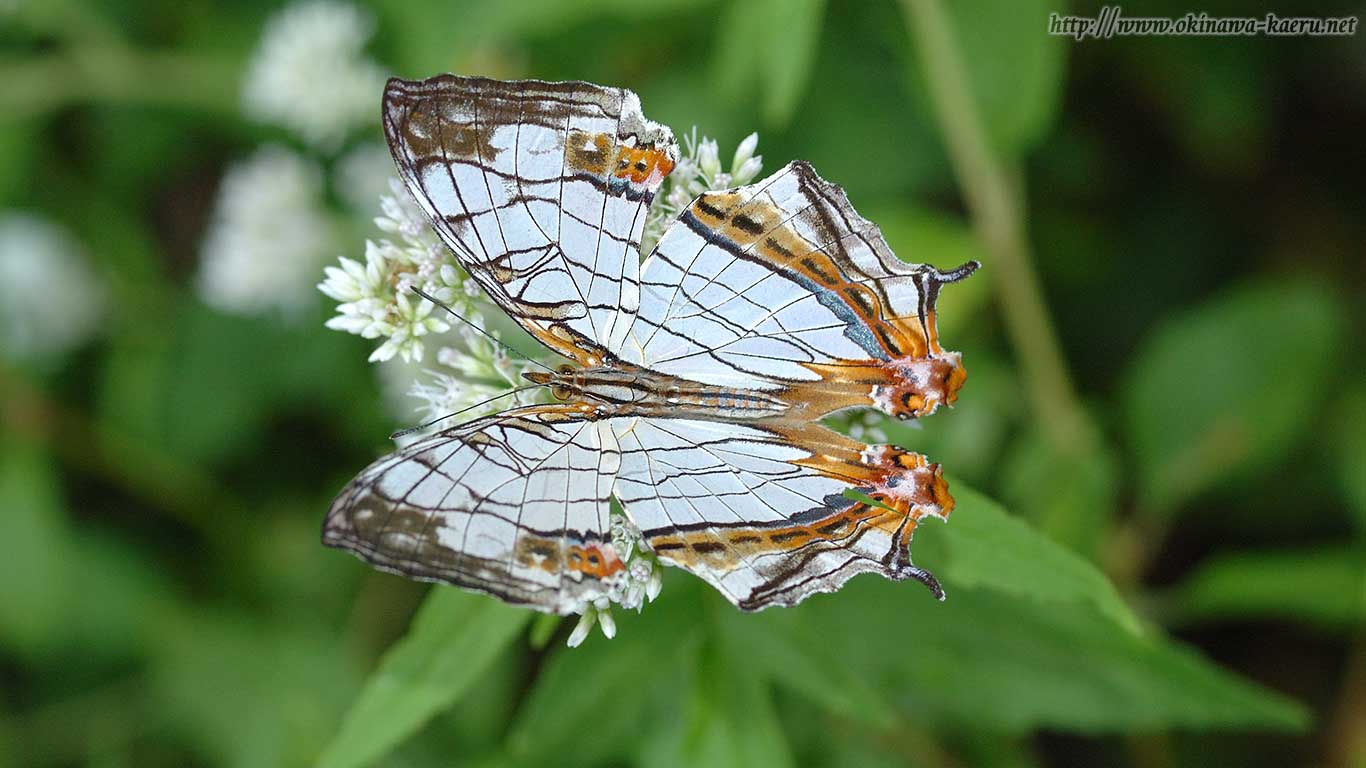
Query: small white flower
<point x="377" y="301"/>
<point x="412" y="321"/>
<point x="268" y="236"/>
<point x="50" y="301"/>
<point x="310" y="73"/>
<point x="699" y="170"/>
<point x="587" y="619"/>
<point x="606" y="622"/>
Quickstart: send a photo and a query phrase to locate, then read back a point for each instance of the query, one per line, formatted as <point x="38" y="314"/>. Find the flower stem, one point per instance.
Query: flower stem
<point x="991" y="190"/>
<point x="116" y="74"/>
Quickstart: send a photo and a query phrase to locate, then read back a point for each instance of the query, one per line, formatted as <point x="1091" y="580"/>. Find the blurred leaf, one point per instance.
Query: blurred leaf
<point x="793" y="652"/>
<point x="983" y="547"/>
<point x="1229" y="387"/>
<point x="1350" y="445"/>
<point x="19" y="144"/>
<point x="728" y="719"/>
<point x="1014" y="69"/>
<point x="1325" y="587"/>
<point x="119" y="597"/>
<point x="188" y="394"/>
<point x="594" y="702"/>
<point x="437" y="36"/>
<point x="767" y="48"/>
<point x="35" y="591"/>
<point x="1069" y="496"/>
<point x="454" y="638"/>
<point x="248" y="691"/>
<point x="984" y="659"/>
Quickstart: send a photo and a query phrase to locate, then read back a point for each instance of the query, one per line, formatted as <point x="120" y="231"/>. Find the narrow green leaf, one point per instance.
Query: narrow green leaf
<point x="728" y="720"/>
<point x="789" y="647"/>
<point x="1325" y="587"/>
<point x="995" y="660"/>
<point x="453" y="640"/>
<point x="1070" y="496"/>
<point x="769" y="46"/>
<point x="597" y="702"/>
<point x="1229" y="387"/>
<point x="982" y="546"/>
<point x="35" y="591"/>
<point x="1350" y="450"/>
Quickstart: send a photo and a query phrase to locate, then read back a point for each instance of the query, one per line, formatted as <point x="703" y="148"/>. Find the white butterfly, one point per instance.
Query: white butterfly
<point x="700" y="374"/>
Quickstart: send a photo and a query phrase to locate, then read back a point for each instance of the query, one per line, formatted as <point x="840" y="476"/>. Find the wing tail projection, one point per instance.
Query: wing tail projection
<point x="782" y="284"/>
<point x="760" y="512"/>
<point x="514" y="505"/>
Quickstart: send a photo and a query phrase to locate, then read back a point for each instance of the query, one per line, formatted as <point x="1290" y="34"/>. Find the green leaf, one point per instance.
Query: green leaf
<point x="1071" y="496"/>
<point x="594" y="702"/>
<point x="788" y="648"/>
<point x="1325" y="587"/>
<point x="246" y="691"/>
<point x="728" y="719"/>
<point x="1350" y="449"/>
<point x="36" y="591"/>
<point x="986" y="659"/>
<point x="1230" y="387"/>
<point x="454" y="638"/>
<point x="983" y="547"/>
<point x="767" y="48"/>
<point x="1015" y="70"/>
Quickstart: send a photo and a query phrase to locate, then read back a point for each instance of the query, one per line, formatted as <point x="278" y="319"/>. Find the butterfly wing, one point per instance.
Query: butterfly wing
<point x="541" y="190"/>
<point x="758" y="510"/>
<point x="514" y="505"/>
<point x="781" y="284"/>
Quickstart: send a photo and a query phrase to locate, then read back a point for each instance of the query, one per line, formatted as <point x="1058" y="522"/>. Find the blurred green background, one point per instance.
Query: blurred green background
<point x="1159" y="555"/>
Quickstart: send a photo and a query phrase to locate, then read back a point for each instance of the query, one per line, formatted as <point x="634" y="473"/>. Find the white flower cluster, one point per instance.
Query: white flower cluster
<point x="376" y="297"/>
<point x="699" y="170"/>
<point x="269" y="235"/>
<point x="638" y="584"/>
<point x="310" y="74"/>
<point x="50" y="301"/>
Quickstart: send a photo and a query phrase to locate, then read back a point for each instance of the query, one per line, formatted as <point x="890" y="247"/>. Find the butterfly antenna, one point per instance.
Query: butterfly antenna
<point x="486" y="401"/>
<point x="486" y="334"/>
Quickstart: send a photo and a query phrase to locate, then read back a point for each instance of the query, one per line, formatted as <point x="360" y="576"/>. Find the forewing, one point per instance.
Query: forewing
<point x="541" y="190"/>
<point x="514" y="505"/>
<point x="779" y="282"/>
<point x="759" y="510"/>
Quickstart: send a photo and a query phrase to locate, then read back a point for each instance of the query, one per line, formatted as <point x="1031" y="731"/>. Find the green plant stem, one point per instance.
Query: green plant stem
<point x="992" y="193"/>
<point x="115" y="74"/>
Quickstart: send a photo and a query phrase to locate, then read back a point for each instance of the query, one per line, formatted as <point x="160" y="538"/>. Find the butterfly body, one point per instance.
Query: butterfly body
<point x="697" y="377"/>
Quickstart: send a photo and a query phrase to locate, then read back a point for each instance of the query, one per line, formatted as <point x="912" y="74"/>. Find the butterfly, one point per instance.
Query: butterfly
<point x="698" y="376"/>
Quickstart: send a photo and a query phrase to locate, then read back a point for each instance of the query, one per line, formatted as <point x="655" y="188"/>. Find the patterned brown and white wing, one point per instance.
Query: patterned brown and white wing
<point x="758" y="510"/>
<point x="781" y="284"/>
<point x="541" y="190"/>
<point x="514" y="505"/>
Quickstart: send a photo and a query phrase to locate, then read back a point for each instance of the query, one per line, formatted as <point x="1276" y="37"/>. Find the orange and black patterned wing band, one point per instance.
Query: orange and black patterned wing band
<point x="781" y="284"/>
<point x="760" y="512"/>
<point x="514" y="505"/>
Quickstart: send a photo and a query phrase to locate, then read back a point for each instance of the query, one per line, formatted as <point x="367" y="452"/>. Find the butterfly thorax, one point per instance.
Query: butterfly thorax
<point x="637" y="391"/>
